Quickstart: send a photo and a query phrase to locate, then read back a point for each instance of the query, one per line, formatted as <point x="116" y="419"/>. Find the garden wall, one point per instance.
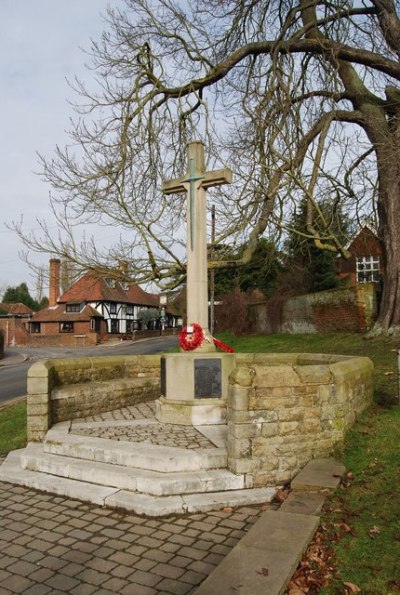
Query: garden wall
<point x="347" y="309"/>
<point x="286" y="409"/>
<point x="65" y="389"/>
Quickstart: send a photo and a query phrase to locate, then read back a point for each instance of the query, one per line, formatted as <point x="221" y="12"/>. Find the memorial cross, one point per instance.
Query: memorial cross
<point x="195" y="184"/>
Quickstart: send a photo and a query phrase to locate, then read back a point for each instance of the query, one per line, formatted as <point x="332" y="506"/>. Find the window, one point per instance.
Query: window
<point x="129" y="326"/>
<point x="113" y="308"/>
<point x="66" y="327"/>
<point x="367" y="269"/>
<point x="129" y="310"/>
<point x="114" y="326"/>
<point x="110" y="282"/>
<point x="73" y="307"/>
<point x="35" y="327"/>
<point x="125" y="285"/>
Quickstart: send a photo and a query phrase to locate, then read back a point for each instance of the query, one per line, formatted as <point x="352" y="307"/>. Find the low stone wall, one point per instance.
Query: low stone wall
<point x="65" y="389"/>
<point x="283" y="409"/>
<point x="286" y="409"/>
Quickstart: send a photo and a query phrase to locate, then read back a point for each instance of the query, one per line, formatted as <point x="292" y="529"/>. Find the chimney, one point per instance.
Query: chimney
<point x="54" y="285"/>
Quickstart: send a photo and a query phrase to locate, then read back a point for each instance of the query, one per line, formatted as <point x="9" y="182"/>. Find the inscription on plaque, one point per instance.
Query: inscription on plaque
<point x="163" y="379"/>
<point x="207" y="378"/>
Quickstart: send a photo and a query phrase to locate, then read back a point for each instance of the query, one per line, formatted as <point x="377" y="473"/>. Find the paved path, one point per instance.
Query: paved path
<point x="54" y="545"/>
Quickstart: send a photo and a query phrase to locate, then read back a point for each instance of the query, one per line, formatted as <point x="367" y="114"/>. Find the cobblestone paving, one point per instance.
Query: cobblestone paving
<point x="161" y="434"/>
<point x="53" y="545"/>
<point x="141" y="411"/>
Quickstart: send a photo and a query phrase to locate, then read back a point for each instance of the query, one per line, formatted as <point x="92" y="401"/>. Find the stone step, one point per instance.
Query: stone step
<point x="141" y="455"/>
<point x="132" y="479"/>
<point x="146" y="504"/>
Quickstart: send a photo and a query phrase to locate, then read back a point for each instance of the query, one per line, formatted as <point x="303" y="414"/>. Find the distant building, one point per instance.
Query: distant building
<point x="13" y="319"/>
<point x="93" y="309"/>
<point x="365" y="264"/>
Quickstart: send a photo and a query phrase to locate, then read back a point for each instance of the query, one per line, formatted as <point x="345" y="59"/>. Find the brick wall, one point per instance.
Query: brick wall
<point x="14" y="330"/>
<point x="348" y="309"/>
<point x="50" y="335"/>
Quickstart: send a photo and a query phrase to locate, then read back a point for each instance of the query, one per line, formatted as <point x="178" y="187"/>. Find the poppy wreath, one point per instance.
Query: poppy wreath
<point x="223" y="346"/>
<point x="191" y="340"/>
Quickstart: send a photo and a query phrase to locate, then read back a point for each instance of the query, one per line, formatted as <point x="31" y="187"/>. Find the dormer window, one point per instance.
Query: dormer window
<point x="125" y="285"/>
<point x="110" y="282"/>
<point x="73" y="307"/>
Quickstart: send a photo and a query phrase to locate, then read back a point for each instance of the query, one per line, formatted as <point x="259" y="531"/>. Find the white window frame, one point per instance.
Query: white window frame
<point x="367" y="269"/>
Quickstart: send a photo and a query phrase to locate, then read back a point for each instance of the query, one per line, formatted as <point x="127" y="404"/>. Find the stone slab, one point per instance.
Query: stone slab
<point x="153" y="506"/>
<point x="131" y="454"/>
<point x="319" y="474"/>
<point x="12" y="472"/>
<point x="216" y="434"/>
<point x="34" y="458"/>
<point x="304" y="502"/>
<point x="212" y="501"/>
<point x="265" y="559"/>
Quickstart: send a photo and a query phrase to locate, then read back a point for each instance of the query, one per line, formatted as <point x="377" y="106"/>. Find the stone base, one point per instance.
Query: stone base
<point x="194" y="388"/>
<point x="191" y="412"/>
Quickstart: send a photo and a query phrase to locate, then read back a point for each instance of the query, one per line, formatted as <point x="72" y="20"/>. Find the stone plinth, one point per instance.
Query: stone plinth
<point x="194" y="388"/>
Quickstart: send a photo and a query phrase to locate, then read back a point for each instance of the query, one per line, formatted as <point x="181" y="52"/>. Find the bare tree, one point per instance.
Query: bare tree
<point x="300" y="97"/>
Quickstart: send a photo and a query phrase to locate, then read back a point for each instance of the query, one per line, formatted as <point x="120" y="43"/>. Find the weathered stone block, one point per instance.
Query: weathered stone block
<point x="288" y="427"/>
<point x="238" y="398"/>
<point x="269" y="463"/>
<point x="242" y="375"/>
<point x="238" y="447"/>
<point x="311" y="426"/>
<point x="274" y="376"/>
<point x="314" y="374"/>
<point x="291" y="414"/>
<point x="240" y="466"/>
<point x="248" y="430"/>
<point x="269" y="430"/>
<point x="37" y="408"/>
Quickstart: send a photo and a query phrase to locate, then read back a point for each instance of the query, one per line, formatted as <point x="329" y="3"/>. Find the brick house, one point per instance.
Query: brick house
<point x="91" y="310"/>
<point x="13" y="322"/>
<point x="365" y="264"/>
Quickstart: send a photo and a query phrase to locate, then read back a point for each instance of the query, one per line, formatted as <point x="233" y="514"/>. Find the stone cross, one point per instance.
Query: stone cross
<point x="195" y="184"/>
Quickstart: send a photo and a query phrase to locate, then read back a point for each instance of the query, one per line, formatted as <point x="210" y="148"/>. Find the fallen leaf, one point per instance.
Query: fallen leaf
<point x="394" y="585"/>
<point x="281" y="495"/>
<point x="227" y="509"/>
<point x="353" y="588"/>
<point x="263" y="571"/>
<point x="375" y="530"/>
<point x="388" y="373"/>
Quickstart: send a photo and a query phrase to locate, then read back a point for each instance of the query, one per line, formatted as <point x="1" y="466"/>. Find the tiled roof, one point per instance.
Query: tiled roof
<point x="15" y="308"/>
<point x="90" y="288"/>
<point x="58" y="314"/>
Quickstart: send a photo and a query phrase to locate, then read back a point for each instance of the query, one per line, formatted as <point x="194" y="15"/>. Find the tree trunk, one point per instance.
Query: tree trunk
<point x="388" y="163"/>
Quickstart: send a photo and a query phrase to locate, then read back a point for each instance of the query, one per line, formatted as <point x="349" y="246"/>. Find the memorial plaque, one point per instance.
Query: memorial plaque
<point x="207" y="378"/>
<point x="163" y="378"/>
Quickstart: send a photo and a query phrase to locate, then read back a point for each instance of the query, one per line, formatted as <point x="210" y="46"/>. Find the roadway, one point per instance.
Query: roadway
<point x="17" y="361"/>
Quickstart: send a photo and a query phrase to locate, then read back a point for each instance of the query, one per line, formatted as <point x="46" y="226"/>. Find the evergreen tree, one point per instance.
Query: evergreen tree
<point x="315" y="269"/>
<point x="261" y="272"/>
<point x="20" y="294"/>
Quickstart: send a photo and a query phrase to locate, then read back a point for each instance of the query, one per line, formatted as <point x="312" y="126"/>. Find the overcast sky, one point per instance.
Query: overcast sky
<point x="40" y="43"/>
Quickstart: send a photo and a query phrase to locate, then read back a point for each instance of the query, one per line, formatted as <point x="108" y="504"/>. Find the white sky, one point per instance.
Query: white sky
<point x="40" y="46"/>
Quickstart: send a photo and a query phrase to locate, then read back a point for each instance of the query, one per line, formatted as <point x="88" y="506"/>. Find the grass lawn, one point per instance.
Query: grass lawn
<point x="13" y="428"/>
<point x="362" y="520"/>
